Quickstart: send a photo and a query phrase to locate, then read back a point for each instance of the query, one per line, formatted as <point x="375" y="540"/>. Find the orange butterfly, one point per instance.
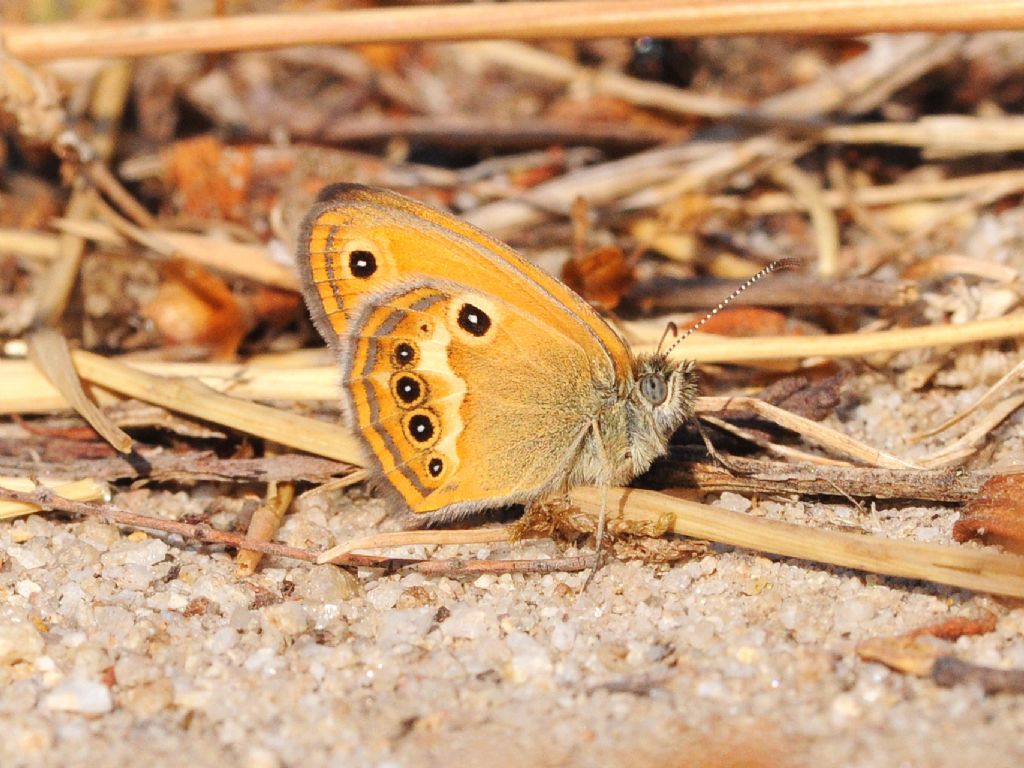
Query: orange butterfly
<point x="473" y="378"/>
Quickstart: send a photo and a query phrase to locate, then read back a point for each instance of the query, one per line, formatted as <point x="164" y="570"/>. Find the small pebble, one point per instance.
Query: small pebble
<point x="469" y="623"/>
<point x="148" y="699"/>
<point x="19" y="642"/>
<point x="733" y="502"/>
<point x="288" y="618"/>
<point x="327" y="584"/>
<point x="384" y="595"/>
<point x="86" y="697"/>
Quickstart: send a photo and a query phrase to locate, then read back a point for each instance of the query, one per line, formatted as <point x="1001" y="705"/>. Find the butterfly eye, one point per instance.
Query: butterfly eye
<point x="653" y="388"/>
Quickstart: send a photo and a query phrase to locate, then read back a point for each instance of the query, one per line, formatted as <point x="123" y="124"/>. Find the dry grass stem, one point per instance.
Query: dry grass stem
<point x="967" y="444"/>
<point x="811" y="430"/>
<point x="718" y="164"/>
<point x="865" y="81"/>
<point x="75" y="490"/>
<point x="48" y="351"/>
<point x="25" y="390"/>
<point x="708" y="348"/>
<point x="940" y="136"/>
<point x="578" y="19"/>
<point x="53" y="292"/>
<point x="607" y="182"/>
<point x="982" y="571"/>
<point x="757" y="476"/>
<point x="264" y="525"/>
<point x="535" y="62"/>
<point x="808" y="191"/>
<point x="879" y="195"/>
<point x="779" y="450"/>
<point x="34" y="245"/>
<point x="251" y="262"/>
<point x="1004" y="382"/>
<point x="783" y="290"/>
<point x="195" y="399"/>
<point x="395" y="539"/>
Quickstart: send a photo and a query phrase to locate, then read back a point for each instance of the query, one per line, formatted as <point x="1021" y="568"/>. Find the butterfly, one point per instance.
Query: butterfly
<point x="472" y="378"/>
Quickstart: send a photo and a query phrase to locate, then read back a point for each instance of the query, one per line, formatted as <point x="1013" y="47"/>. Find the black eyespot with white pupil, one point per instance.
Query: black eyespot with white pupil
<point x="653" y="388"/>
<point x="362" y="263"/>
<point x="435" y="467"/>
<point x="473" y="320"/>
<point x="421" y="428"/>
<point x="404" y="355"/>
<point x="408" y="389"/>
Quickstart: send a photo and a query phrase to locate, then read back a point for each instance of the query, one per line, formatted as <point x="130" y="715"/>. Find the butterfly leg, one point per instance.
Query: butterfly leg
<point x="602" y="517"/>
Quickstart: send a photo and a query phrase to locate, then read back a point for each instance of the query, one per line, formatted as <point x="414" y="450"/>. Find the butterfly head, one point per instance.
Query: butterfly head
<point x="659" y="400"/>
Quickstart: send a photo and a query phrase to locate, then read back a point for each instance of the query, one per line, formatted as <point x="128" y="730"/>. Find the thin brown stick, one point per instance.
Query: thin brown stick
<point x="46" y="499"/>
<point x="517" y="20"/>
<point x="456" y="567"/>
<point x="161" y="465"/>
<point x="412" y="538"/>
<point x="754" y="476"/>
<point x="667" y="294"/>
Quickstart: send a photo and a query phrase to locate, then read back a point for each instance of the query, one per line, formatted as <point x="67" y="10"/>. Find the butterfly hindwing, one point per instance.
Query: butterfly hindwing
<point x="444" y="384"/>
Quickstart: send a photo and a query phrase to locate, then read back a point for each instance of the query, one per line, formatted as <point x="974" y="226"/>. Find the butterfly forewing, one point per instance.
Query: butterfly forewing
<point x="358" y="241"/>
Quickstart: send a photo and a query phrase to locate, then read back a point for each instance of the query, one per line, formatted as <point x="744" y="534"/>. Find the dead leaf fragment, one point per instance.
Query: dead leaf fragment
<point x="996" y="514"/>
<point x="602" y="276"/>
<point x="905" y="653"/>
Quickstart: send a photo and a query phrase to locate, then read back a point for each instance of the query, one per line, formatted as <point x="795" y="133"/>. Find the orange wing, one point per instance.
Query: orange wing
<point x="358" y="241"/>
<point x="463" y="400"/>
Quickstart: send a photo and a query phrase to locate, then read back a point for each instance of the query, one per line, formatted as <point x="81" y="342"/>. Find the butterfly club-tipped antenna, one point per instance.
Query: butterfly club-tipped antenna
<point x="773" y="267"/>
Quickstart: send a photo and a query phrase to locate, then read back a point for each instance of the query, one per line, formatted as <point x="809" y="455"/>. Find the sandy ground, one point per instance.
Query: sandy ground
<point x="120" y="648"/>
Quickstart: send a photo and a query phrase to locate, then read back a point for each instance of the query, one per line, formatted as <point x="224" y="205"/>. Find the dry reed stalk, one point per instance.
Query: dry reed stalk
<point x="876" y="196"/>
<point x="74" y="490"/>
<point x="195" y="399"/>
<point x="27" y="391"/>
<point x="578" y="19"/>
<point x="251" y="262"/>
<point x="982" y="571"/>
<point x="941" y="137"/>
<point x="719" y="349"/>
<point x="532" y="61"/>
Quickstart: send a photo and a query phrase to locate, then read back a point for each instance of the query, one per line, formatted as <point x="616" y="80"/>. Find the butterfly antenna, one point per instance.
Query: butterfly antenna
<point x="670" y="327"/>
<point x="775" y="265"/>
